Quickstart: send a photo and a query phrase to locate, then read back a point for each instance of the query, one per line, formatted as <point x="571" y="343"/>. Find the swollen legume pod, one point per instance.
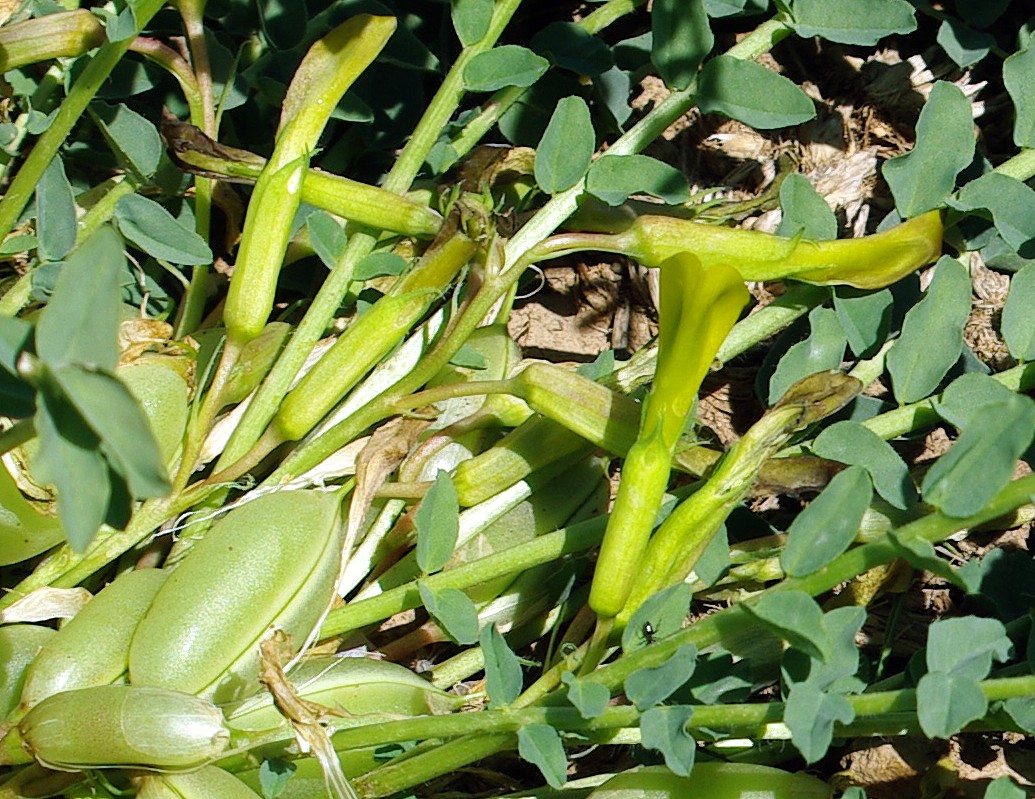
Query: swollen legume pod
<point x="93" y="646"/>
<point x="206" y="783"/>
<point x="272" y="562"/>
<point x="124" y="725"/>
<point x="714" y="780"/>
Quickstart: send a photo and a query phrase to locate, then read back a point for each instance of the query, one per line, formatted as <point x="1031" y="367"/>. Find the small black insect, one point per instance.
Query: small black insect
<point x="649" y="632"/>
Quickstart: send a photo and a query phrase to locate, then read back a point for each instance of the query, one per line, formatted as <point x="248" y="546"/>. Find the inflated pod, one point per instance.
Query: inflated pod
<point x="93" y="646"/>
<point x="19" y="645"/>
<point x="124" y="726"/>
<point x="270" y="563"/>
<point x="714" y="780"/>
<point x="205" y="783"/>
<point x="356" y="686"/>
<point x="164" y="396"/>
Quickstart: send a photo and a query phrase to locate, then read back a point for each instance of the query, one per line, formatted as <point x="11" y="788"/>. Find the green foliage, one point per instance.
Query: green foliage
<point x="614" y="178"/>
<point x="566" y="148"/>
<point x="851" y="443"/>
<point x="681" y="39"/>
<point x="540" y="745"/>
<point x="848" y="22"/>
<point x="437" y="523"/>
<point x="362" y="334"/>
<point x="750" y="93"/>
<point x="827" y="527"/>
<point x="924" y="177"/>
<point x="665" y="729"/>
<point x="932" y="334"/>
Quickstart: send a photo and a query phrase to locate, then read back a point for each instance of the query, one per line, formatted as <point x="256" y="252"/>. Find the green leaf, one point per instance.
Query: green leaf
<point x="471" y="19"/>
<point x="125" y="436"/>
<point x="1017" y="72"/>
<point x="981" y="461"/>
<point x="503" y="676"/>
<point x="665" y="730"/>
<point x="1003" y="788"/>
<point x="749" y="93"/>
<point x="923" y="178"/>
<point x="589" y="698"/>
<point x="963" y="44"/>
<point x="380" y="264"/>
<point x="852" y="22"/>
<point x="966" y="396"/>
<point x="827" y="527"/>
<point x="56" y="226"/>
<point x="1022" y="711"/>
<point x="932" y="334"/>
<point x="805" y="212"/>
<point x="822" y="351"/>
<point x="1011" y="204"/>
<point x="614" y="178"/>
<point x="648" y="687"/>
<point x="132" y="137"/>
<point x="572" y="47"/>
<point x="966" y="646"/>
<point x="665" y="611"/>
<point x="811" y="715"/>
<point x="158" y="233"/>
<point x="454" y="612"/>
<point x="69" y="458"/>
<point x="682" y="37"/>
<point x="566" y="148"/>
<point x="506" y="65"/>
<point x="851" y="443"/>
<point x="469" y="357"/>
<point x="17" y="397"/>
<point x="274" y="774"/>
<point x="865" y="317"/>
<point x="795" y="617"/>
<point x="1016" y="324"/>
<point x="946" y="704"/>
<point x="437" y="522"/>
<point x="328" y="239"/>
<point x="80" y="323"/>
<point x="540" y="745"/>
<point x="724" y="8"/>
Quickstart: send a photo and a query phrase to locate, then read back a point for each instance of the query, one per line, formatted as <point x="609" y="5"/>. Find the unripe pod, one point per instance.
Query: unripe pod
<point x="714" y="780"/>
<point x="93" y="647"/>
<point x="124" y="725"/>
<point x="207" y="783"/>
<point x="358" y="686"/>
<point x="163" y="394"/>
<point x="19" y="645"/>
<point x="272" y="562"/>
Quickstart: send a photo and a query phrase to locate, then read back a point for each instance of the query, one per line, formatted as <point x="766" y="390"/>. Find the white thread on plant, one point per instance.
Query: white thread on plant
<point x="541" y="284"/>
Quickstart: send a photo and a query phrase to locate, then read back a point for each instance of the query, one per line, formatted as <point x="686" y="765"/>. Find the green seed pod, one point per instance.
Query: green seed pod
<point x="19" y="645"/>
<point x="163" y="394"/>
<point x="206" y="783"/>
<point x="272" y="562"/>
<point x="714" y="780"/>
<point x="93" y="647"/>
<point x="124" y="725"/>
<point x="357" y="686"/>
<point x="257" y="356"/>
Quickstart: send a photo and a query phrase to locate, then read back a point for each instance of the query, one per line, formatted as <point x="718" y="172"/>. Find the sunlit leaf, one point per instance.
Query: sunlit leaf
<point x="851" y="443"/>
<point x="158" y="233"/>
<point x="506" y="65"/>
<point x="682" y="38"/>
<point x="921" y="179"/>
<point x="665" y="730"/>
<point x="749" y="93"/>
<point x="932" y="334"/>
<point x="540" y="745"/>
<point x="437" y="522"/>
<point x="851" y="22"/>
<point x="828" y="525"/>
<point x="566" y="148"/>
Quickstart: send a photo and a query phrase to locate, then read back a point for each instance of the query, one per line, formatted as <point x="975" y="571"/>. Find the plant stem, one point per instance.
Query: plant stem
<point x="80" y="95"/>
